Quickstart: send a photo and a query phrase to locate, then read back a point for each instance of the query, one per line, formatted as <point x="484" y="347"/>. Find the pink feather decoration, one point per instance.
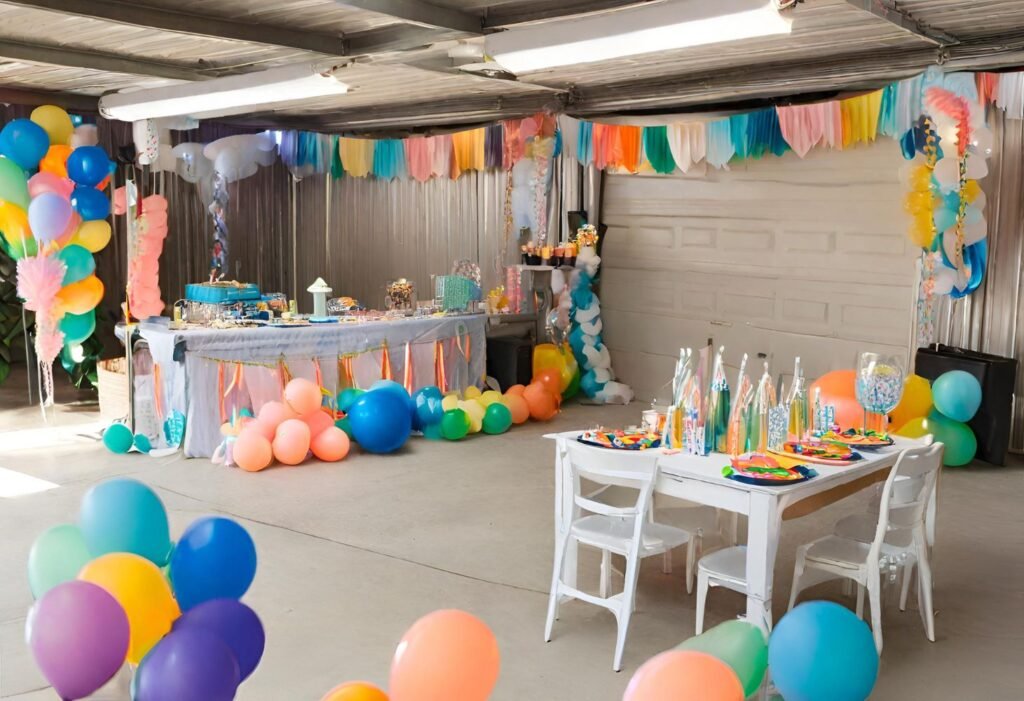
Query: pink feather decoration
<point x="952" y="105"/>
<point x="40" y="278"/>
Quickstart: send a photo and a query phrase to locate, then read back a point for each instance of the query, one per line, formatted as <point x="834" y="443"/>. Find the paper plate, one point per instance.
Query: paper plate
<point x="816" y="452"/>
<point x="855" y="438"/>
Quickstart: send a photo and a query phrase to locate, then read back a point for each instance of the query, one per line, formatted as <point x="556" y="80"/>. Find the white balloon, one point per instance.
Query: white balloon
<point x="972" y="214"/>
<point x="603" y="375"/>
<point x="947" y="174"/>
<point x="592" y="328"/>
<point x="85" y="135"/>
<point x="616" y="393"/>
<point x="982" y="141"/>
<point x="943" y="279"/>
<point x="980" y="201"/>
<point x="557" y="282"/>
<point x="192" y="165"/>
<point x="977" y="168"/>
<point x="588" y="314"/>
<point x="975" y="231"/>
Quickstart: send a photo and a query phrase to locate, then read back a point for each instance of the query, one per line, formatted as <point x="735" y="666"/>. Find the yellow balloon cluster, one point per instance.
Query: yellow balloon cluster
<point x="920" y="204"/>
<point x="908" y="418"/>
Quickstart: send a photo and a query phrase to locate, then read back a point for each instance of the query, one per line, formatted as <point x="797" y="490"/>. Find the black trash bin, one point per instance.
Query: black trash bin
<point x="510" y="361"/>
<point x="998" y="377"/>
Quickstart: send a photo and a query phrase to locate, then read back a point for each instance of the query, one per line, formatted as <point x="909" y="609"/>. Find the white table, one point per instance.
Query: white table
<point x="699" y="479"/>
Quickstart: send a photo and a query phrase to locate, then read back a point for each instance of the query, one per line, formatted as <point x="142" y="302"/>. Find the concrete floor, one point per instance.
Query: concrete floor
<point x="352" y="553"/>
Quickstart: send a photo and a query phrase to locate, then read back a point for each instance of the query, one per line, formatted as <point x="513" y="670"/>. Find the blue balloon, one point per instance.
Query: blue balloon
<point x="191" y="663"/>
<point x="88" y="166"/>
<point x="90" y="203"/>
<point x="429" y="411"/>
<point x="215" y="559"/>
<point x="79" y="263"/>
<point x="24" y="142"/>
<point x="234" y="623"/>
<point x="397" y="389"/>
<point x="125" y="516"/>
<point x="821" y="650"/>
<point x="381" y="421"/>
<point x="957" y="394"/>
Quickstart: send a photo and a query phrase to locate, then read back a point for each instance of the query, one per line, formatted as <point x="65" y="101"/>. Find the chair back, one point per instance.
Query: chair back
<point x="609" y="467"/>
<point x="908" y="490"/>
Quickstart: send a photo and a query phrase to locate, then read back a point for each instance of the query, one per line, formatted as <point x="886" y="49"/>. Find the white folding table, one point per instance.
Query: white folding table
<point x="699" y="479"/>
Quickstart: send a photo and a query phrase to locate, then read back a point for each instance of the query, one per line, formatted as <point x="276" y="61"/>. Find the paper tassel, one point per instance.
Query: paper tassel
<point x="407" y="378"/>
<point x="656" y="148"/>
<point x="385" y="364"/>
<point x="440" y="380"/>
<point x="720" y="149"/>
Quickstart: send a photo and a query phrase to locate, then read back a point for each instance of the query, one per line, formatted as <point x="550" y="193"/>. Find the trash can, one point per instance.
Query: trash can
<point x="510" y="361"/>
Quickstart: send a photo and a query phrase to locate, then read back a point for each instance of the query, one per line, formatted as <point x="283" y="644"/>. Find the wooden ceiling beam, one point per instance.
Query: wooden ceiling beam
<point x="420" y="13"/>
<point x="98" y="61"/>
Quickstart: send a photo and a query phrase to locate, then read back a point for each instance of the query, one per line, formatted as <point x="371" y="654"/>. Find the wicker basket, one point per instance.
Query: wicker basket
<point x="112" y="383"/>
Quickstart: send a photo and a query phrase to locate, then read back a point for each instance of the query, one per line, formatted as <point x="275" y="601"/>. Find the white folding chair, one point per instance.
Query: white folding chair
<point x="726" y="567"/>
<point x="625" y="531"/>
<point x="902" y="522"/>
<point x="703" y="523"/>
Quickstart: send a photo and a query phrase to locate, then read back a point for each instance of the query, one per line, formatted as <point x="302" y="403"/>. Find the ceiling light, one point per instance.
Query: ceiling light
<point x="221" y="97"/>
<point x="652" y="28"/>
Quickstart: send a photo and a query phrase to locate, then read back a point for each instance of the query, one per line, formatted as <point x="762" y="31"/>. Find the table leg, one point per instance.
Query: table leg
<point x="763" y="525"/>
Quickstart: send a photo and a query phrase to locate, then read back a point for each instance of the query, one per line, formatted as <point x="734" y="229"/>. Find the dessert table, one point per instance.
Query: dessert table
<point x="699" y="479"/>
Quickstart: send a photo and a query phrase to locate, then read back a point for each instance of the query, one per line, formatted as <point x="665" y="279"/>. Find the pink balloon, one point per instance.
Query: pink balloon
<point x="120" y="201"/>
<point x="291" y="443"/>
<point x="331" y="445"/>
<point x="302" y="396"/>
<point x="317" y="422"/>
<point x="71" y="229"/>
<point x="273" y="414"/>
<point x="50" y="182"/>
<point x="261" y="427"/>
<point x="252" y="451"/>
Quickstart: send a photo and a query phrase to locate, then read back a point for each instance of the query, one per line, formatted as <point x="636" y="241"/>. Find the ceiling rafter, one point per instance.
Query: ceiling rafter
<point x="50" y="55"/>
<point x="544" y="10"/>
<point x="891" y="13"/>
<point x="421" y="13"/>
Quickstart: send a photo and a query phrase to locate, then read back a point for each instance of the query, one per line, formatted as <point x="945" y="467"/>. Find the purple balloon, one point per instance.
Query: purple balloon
<point x="78" y="634"/>
<point x="191" y="663"/>
<point x="234" y="623"/>
<point x="49" y="215"/>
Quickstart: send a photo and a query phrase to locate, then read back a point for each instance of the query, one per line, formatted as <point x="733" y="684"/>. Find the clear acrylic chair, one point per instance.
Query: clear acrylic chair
<point x="902" y="521"/>
<point x="625" y="530"/>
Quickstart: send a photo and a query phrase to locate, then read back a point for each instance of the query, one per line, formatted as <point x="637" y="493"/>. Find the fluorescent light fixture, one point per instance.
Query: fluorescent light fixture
<point x="648" y="29"/>
<point x="221" y="97"/>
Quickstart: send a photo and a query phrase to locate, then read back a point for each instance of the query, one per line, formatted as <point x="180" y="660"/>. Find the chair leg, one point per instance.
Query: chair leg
<point x="628" y="602"/>
<point x="606" y="573"/>
<point x="907" y="574"/>
<point x="666" y="562"/>
<point x="875" y="600"/>
<point x="924" y="579"/>
<point x="798" y="574"/>
<point x="556" y="580"/>
<point x="847" y="587"/>
<point x="860" y="602"/>
<point x="691" y="555"/>
<point x="702" y="597"/>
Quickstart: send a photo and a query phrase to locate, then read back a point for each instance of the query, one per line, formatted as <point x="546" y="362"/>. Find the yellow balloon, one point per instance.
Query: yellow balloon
<point x="971" y="190"/>
<point x="93" y="235"/>
<point x="144" y="594"/>
<point x="55" y="122"/>
<point x="472" y="392"/>
<point x="82" y="296"/>
<point x="916" y="401"/>
<point x="475" y="412"/>
<point x="450" y="401"/>
<point x="15" y="228"/>
<point x="548" y="355"/>
<point x="355" y="691"/>
<point x="489" y="397"/>
<point x="915" y="428"/>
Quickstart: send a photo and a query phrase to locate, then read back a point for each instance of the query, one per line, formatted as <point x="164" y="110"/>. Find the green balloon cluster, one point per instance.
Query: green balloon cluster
<point x="740" y="645"/>
<point x="497" y="418"/>
<point x="455" y="424"/>
<point x="959" y="441"/>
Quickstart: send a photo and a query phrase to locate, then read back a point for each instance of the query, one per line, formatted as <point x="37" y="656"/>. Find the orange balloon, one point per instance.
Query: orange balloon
<point x="838" y="388"/>
<point x="273" y="414"/>
<point x="55" y="161"/>
<point x="291" y="442"/>
<point x="331" y="445"/>
<point x="252" y="451"/>
<point x="447" y="655"/>
<point x="684" y="675"/>
<point x="355" y="691"/>
<point x="302" y="396"/>
<point x="82" y="296"/>
<point x="518" y="407"/>
<point x="317" y="421"/>
<point x="542" y="403"/>
<point x="516" y="390"/>
<point x="261" y="427"/>
<point x="550" y="378"/>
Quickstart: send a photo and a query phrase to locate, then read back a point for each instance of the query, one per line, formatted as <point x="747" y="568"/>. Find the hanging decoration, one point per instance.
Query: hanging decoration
<point x="145" y="244"/>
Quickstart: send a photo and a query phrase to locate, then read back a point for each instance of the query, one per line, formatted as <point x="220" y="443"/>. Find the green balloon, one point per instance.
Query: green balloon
<point x="118" y="438"/>
<point x="78" y="327"/>
<point x="957" y="437"/>
<point x="345" y="426"/>
<point x="433" y="432"/>
<point x="18" y="248"/>
<point x="79" y="263"/>
<point x="497" y="418"/>
<point x="740" y="645"/>
<point x="57" y="556"/>
<point x="347" y="398"/>
<point x="13" y="183"/>
<point x="574" y="386"/>
<point x="455" y="424"/>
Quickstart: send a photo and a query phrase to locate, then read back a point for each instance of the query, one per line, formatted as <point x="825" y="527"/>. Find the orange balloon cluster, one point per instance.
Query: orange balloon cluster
<point x="543" y="396"/>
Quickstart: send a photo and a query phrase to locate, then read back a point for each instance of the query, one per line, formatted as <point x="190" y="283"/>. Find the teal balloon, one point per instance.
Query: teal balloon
<point x="497" y="418"/>
<point x="125" y="516"/>
<point x="57" y="556"/>
<point x="960" y="443"/>
<point x="429" y="411"/>
<point x="77" y="328"/>
<point x="118" y="438"/>
<point x="142" y="443"/>
<point x="433" y="432"/>
<point x="347" y="398"/>
<point x="345" y="426"/>
<point x="740" y="645"/>
<point x="79" y="262"/>
<point x="957" y="395"/>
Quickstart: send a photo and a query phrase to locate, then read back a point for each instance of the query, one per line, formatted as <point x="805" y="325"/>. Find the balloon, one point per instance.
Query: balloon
<point x="234" y="623"/>
<point x="740" y="645"/>
<point x="381" y="421"/>
<point x="13" y="185"/>
<point x="551" y="380"/>
<point x="43" y="182"/>
<point x="397" y="389"/>
<point x="90" y="203"/>
<point x="56" y="557"/>
<point x="347" y="398"/>
<point x="543" y="405"/>
<point x="497" y="418"/>
<point x="56" y="160"/>
<point x="192" y="663"/>
<point x="80" y="263"/>
<point x="450" y="401"/>
<point x="88" y="166"/>
<point x="684" y="675"/>
<point x="55" y="122"/>
<point x="273" y="414"/>
<point x="139" y="586"/>
<point x="77" y="328"/>
<point x="916" y="401"/>
<point x="118" y="438"/>
<point x="82" y="296"/>
<point x="960" y="443"/>
<point x="15" y="229"/>
<point x="445" y="655"/>
<point x="252" y="450"/>
<point x="331" y="445"/>
<point x="915" y="428"/>
<point x="302" y="396"/>
<point x="947" y="173"/>
<point x="957" y="394"/>
<point x="429" y="409"/>
<point x="317" y="421"/>
<point x="574" y="385"/>
<point x="78" y="635"/>
<point x="93" y="236"/>
<point x="838" y="389"/>
<point x="48" y="215"/>
<point x="821" y="650"/>
<point x="345" y="425"/>
<point x="142" y="443"/>
<point x="472" y="392"/>
<point x="24" y="142"/>
<point x="489" y="397"/>
<point x="518" y="407"/>
<point x="475" y="412"/>
<point x="516" y="390"/>
<point x="291" y="442"/>
<point x="355" y="691"/>
<point x="215" y="559"/>
<point x="125" y="516"/>
<point x="433" y="432"/>
<point x="455" y="424"/>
